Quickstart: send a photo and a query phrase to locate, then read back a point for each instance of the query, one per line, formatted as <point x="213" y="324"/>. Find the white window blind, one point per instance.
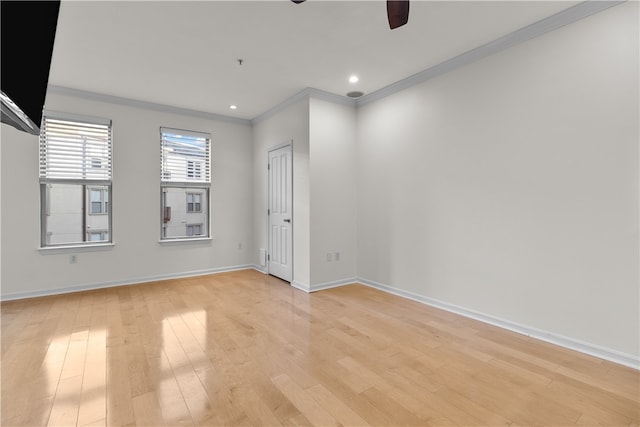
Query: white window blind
<point x="75" y="168"/>
<point x="185" y="156"/>
<point x="76" y="150"/>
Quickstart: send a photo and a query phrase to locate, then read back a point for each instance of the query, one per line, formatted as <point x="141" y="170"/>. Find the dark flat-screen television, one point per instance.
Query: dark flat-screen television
<point x="28" y="30"/>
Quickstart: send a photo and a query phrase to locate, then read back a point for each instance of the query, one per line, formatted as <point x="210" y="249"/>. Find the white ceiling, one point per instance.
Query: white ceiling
<point x="184" y="53"/>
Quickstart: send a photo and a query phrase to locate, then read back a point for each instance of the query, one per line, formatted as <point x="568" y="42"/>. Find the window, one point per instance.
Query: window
<point x="98" y="201"/>
<point x="96" y="236"/>
<point x="185" y="180"/>
<point x="75" y="179"/>
<point x="194" y="230"/>
<point x="194" y="202"/>
<point x="194" y="169"/>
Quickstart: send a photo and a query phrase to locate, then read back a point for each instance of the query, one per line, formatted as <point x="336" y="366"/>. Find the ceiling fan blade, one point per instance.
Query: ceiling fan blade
<point x="397" y="13"/>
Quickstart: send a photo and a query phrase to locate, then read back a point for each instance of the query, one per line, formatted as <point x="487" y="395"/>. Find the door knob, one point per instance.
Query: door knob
<point x="287" y="220"/>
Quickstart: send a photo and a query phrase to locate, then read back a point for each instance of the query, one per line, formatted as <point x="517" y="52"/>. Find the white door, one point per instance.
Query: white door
<point x="280" y="256"/>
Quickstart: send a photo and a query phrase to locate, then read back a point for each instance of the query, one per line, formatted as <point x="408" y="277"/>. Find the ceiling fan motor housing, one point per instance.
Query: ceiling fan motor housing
<point x="397" y="12"/>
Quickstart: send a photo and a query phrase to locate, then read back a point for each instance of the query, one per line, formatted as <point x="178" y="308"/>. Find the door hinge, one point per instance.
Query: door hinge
<point x="268" y="166"/>
<point x="268" y="257"/>
<point x="268" y="211"/>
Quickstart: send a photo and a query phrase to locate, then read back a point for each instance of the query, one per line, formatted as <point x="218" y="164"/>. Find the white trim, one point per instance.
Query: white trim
<point x="183" y="240"/>
<point x="329" y="96"/>
<point x="301" y="286"/>
<point x="89" y="247"/>
<point x="553" y="22"/>
<point x="326" y="285"/>
<point x="305" y="94"/>
<point x="185" y="132"/>
<point x="279" y="146"/>
<point x="550" y="337"/>
<point x="313" y="288"/>
<point x="115" y="283"/>
<point x="93" y="96"/>
<point x="82" y="118"/>
<point x="333" y="284"/>
<point x="259" y="269"/>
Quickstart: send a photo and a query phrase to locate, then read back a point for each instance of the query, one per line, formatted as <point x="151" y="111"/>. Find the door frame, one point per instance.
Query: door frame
<point x="269" y="150"/>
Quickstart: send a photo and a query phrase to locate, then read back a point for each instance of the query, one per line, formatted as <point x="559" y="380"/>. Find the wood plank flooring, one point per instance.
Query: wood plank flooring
<point x="245" y="349"/>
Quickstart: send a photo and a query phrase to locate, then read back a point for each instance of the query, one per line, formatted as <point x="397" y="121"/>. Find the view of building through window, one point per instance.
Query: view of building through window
<point x="194" y="202"/>
<point x="185" y="181"/>
<point x="183" y="207"/>
<point x="72" y="215"/>
<point x="75" y="180"/>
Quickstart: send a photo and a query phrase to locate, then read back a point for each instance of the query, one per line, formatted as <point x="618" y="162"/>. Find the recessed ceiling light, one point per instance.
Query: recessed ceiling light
<point x="233" y="107"/>
<point x="353" y="79"/>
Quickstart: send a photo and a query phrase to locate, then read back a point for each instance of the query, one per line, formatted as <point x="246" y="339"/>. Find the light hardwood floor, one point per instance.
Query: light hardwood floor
<point x="247" y="349"/>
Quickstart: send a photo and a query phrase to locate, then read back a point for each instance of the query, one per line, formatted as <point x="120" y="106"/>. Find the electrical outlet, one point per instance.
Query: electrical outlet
<point x="329" y="256"/>
<point x="73" y="259"/>
<point x="240" y="246"/>
<point x="337" y="256"/>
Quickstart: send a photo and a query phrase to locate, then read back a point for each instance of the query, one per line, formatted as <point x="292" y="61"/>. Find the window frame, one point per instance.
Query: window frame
<point x="199" y="225"/>
<point x="100" y="232"/>
<point x="197" y="177"/>
<point x="104" y="204"/>
<point x="47" y="179"/>
<point x="193" y="194"/>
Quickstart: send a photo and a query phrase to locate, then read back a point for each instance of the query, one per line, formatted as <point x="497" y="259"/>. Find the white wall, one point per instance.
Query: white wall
<point x="510" y="186"/>
<point x="332" y="181"/>
<point x="286" y="125"/>
<point x="137" y="254"/>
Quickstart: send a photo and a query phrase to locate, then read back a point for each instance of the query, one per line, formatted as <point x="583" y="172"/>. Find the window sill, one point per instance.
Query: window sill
<point x="48" y="250"/>
<point x="185" y="241"/>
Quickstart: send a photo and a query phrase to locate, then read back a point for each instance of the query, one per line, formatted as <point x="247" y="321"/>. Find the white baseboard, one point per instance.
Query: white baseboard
<point x="566" y="342"/>
<point x="301" y="286"/>
<point x="311" y="288"/>
<point x="259" y="268"/>
<point x="550" y="337"/>
<point x="333" y="284"/>
<point x="322" y="286"/>
<point x="115" y="283"/>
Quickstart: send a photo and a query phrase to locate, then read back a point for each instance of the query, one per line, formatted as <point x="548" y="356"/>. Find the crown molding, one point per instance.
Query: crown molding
<point x="305" y="94"/>
<point x="543" y="26"/>
<point x="553" y="22"/>
<point x="93" y="96"/>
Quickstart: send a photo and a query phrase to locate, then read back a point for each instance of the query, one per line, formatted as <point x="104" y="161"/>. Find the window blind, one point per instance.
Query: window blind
<point x="75" y="150"/>
<point x="185" y="156"/>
